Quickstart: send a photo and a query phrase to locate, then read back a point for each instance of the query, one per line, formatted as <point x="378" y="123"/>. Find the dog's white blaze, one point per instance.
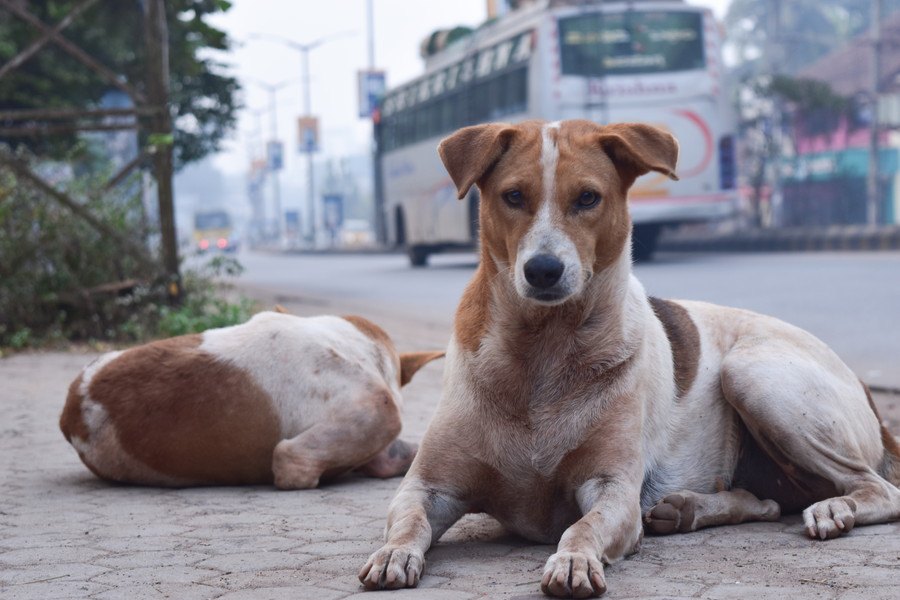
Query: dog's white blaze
<point x="92" y="369"/>
<point x="545" y="236"/>
<point x="549" y="160"/>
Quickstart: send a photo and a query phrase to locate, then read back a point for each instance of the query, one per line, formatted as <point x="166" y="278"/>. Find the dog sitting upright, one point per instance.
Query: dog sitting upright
<point x="280" y="399"/>
<point x="577" y="410"/>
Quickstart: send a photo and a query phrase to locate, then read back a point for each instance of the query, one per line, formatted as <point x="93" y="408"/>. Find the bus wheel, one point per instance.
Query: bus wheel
<point x="399" y="228"/>
<point x="418" y="256"/>
<point x="643" y="241"/>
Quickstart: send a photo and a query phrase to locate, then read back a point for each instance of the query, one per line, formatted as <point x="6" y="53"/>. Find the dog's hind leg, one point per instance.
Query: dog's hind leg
<point x="686" y="511"/>
<point x="392" y="461"/>
<point x="810" y="415"/>
<point x="349" y="438"/>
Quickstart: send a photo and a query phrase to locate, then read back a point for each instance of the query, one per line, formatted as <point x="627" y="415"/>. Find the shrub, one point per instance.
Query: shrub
<point x="61" y="280"/>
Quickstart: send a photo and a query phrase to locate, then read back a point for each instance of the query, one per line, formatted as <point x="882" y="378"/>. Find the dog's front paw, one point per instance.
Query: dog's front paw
<point x="393" y="567"/>
<point x="830" y="518"/>
<point x="573" y="575"/>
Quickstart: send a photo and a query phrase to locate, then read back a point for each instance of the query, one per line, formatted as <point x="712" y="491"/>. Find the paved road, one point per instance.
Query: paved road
<point x="65" y="534"/>
<point x="849" y="300"/>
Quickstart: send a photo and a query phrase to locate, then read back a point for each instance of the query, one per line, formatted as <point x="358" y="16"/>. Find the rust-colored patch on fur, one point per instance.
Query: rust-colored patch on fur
<point x="71" y="422"/>
<point x="473" y="313"/>
<point x="183" y="413"/>
<point x="372" y="331"/>
<point x="684" y="338"/>
<point x="600" y="234"/>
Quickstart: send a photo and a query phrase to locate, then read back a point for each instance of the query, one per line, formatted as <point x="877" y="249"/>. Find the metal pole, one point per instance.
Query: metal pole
<point x="872" y="184"/>
<point x="310" y="175"/>
<point x="157" y="40"/>
<point x="377" y="191"/>
<point x="276" y="177"/>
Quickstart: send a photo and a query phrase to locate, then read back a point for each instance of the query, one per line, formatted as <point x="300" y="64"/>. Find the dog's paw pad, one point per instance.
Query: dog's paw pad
<point x="830" y="518"/>
<point x="672" y="514"/>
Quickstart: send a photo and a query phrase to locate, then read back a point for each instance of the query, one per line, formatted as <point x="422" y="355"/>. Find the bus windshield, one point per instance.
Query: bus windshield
<point x="212" y="220"/>
<point x="631" y="43"/>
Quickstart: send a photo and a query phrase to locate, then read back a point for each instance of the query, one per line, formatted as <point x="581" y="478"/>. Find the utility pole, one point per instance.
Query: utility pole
<point x="273" y="89"/>
<point x="304" y="49"/>
<point x="157" y="39"/>
<point x="873" y="191"/>
<point x="377" y="182"/>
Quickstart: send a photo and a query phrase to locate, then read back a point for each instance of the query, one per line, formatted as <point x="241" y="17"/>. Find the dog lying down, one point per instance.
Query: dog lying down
<point x="577" y="410"/>
<point x="280" y="398"/>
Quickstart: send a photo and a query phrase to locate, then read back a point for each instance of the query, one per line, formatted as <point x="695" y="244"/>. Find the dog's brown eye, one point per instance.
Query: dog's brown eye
<point x="513" y="198"/>
<point x="588" y="199"/>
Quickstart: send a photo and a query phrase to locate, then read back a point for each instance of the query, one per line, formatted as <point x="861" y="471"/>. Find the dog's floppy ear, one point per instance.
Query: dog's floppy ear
<point x="637" y="149"/>
<point x="470" y="153"/>
<point x="410" y="362"/>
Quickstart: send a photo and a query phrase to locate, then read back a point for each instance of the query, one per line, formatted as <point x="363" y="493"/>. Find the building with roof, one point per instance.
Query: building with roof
<point x="824" y="182"/>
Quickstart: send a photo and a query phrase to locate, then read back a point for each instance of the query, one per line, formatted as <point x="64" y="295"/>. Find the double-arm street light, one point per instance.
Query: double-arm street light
<point x="304" y="48"/>
<point x="273" y="89"/>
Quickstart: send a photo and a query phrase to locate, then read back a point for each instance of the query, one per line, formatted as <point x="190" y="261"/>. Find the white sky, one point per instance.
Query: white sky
<point x="400" y="26"/>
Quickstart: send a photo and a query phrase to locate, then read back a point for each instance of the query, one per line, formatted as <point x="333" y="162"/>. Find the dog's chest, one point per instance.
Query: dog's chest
<point x="530" y="425"/>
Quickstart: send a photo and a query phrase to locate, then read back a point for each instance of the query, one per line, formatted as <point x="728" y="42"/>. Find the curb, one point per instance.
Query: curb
<point x="795" y="239"/>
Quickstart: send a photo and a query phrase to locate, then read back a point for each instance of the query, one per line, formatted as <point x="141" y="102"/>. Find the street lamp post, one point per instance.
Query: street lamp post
<point x="273" y="89"/>
<point x="257" y="203"/>
<point x="304" y="48"/>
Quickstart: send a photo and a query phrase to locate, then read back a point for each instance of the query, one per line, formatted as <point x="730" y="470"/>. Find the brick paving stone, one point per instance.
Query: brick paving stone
<point x="739" y="591"/>
<point x="284" y="593"/>
<point x="871" y="593"/>
<point x="62" y="572"/>
<point x="52" y="590"/>
<point x="163" y="591"/>
<point x="256" y="561"/>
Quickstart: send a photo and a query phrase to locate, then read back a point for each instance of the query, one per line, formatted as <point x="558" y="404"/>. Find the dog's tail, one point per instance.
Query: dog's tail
<point x="890" y="462"/>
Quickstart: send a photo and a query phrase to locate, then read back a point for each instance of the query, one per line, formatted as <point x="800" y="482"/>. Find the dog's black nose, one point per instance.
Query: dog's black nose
<point x="543" y="271"/>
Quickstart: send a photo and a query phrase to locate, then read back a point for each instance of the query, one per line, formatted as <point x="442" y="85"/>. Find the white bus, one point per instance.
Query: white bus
<point x="654" y="61"/>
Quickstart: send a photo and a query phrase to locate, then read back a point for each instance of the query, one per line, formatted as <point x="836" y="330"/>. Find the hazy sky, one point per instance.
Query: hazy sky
<point x="400" y="25"/>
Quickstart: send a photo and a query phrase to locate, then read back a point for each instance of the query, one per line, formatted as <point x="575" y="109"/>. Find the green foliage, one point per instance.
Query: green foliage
<point x="204" y="307"/>
<point x="202" y="97"/>
<point x="60" y="280"/>
<point x="797" y="32"/>
<point x="819" y="107"/>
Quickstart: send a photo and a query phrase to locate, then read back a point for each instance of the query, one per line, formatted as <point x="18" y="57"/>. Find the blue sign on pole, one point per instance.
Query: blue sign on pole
<point x="372" y="85"/>
<point x="334" y="211"/>
<point x="274" y="156"/>
<point x="308" y="134"/>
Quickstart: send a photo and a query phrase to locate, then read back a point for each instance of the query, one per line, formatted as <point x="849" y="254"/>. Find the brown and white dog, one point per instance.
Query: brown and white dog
<point x="576" y="409"/>
<point x="280" y="399"/>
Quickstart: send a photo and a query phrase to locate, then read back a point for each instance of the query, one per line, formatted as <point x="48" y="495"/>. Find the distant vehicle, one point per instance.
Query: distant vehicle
<point x="653" y="61"/>
<point x="357" y="233"/>
<point x="214" y="231"/>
